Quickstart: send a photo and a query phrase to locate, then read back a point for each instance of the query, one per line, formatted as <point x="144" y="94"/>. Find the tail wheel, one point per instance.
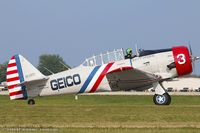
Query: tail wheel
<point x="164" y="99"/>
<point x="31" y="102"/>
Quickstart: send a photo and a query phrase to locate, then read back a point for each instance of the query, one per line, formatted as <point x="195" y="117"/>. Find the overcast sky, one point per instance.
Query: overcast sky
<point x="77" y="29"/>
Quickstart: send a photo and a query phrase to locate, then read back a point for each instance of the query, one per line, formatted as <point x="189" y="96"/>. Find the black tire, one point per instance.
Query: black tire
<point x="31" y="102"/>
<point x="164" y="99"/>
<point x="169" y="99"/>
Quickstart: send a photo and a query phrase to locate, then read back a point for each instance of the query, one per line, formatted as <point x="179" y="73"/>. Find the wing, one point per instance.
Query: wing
<point x="131" y="79"/>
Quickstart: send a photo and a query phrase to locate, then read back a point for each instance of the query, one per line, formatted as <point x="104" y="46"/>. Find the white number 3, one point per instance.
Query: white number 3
<point x="181" y="59"/>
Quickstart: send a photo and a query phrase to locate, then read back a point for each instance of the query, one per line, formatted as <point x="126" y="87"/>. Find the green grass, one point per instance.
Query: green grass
<point x="113" y="114"/>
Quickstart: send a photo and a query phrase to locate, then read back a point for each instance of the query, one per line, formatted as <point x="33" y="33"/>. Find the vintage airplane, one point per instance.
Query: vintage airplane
<point x="106" y="72"/>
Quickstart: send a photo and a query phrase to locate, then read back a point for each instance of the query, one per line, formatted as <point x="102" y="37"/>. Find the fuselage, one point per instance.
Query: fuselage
<point x="89" y="79"/>
<point x="110" y="71"/>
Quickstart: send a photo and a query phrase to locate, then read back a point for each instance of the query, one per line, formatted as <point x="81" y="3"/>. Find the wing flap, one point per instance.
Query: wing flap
<point x="131" y="79"/>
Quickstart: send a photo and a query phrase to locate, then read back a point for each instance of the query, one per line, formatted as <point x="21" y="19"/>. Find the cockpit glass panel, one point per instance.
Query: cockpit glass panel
<point x="149" y="52"/>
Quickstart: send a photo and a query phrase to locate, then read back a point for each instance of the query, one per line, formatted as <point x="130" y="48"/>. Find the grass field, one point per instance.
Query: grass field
<point x="113" y="114"/>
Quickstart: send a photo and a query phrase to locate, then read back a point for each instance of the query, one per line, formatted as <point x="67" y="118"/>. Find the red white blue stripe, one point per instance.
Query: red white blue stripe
<point x="95" y="78"/>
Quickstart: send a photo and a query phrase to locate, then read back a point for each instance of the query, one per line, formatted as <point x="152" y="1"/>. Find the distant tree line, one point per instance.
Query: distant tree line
<point x="3" y="68"/>
<point x="48" y="64"/>
<point x="53" y="63"/>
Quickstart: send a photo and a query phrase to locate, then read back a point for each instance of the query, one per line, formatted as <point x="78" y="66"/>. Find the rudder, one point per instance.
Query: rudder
<point x="19" y="70"/>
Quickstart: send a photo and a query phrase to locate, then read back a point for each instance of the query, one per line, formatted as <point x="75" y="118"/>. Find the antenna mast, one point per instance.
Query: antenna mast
<point x="136" y="48"/>
<point x="64" y="65"/>
<point x="48" y="70"/>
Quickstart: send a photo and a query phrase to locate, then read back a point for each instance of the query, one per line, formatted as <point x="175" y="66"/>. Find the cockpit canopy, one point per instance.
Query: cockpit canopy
<point x="117" y="55"/>
<point x="150" y="52"/>
<point x="104" y="58"/>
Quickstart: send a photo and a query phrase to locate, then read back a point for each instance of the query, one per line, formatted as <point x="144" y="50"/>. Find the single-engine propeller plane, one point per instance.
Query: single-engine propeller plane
<point x="112" y="71"/>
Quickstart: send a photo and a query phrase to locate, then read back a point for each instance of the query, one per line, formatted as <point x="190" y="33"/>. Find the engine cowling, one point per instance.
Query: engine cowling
<point x="182" y="60"/>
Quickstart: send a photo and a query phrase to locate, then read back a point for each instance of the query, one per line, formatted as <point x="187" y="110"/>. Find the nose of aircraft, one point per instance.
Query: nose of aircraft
<point x="182" y="59"/>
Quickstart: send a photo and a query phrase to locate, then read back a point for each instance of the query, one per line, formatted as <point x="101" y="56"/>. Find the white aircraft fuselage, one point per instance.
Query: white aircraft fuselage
<point x="147" y="70"/>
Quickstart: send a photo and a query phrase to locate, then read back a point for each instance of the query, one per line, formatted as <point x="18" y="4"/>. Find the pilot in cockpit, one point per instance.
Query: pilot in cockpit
<point x="129" y="54"/>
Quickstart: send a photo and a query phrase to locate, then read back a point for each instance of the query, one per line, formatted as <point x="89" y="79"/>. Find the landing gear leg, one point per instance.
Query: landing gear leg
<point x="31" y="102"/>
<point x="161" y="97"/>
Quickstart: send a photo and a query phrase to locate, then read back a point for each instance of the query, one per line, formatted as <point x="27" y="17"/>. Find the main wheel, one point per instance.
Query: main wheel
<point x="164" y="99"/>
<point x="31" y="102"/>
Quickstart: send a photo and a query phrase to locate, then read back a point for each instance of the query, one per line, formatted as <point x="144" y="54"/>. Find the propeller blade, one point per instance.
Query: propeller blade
<point x="190" y="48"/>
<point x="192" y="57"/>
<point x="197" y="58"/>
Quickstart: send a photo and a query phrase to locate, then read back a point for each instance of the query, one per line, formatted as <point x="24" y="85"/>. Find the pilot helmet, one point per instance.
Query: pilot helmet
<point x="129" y="51"/>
